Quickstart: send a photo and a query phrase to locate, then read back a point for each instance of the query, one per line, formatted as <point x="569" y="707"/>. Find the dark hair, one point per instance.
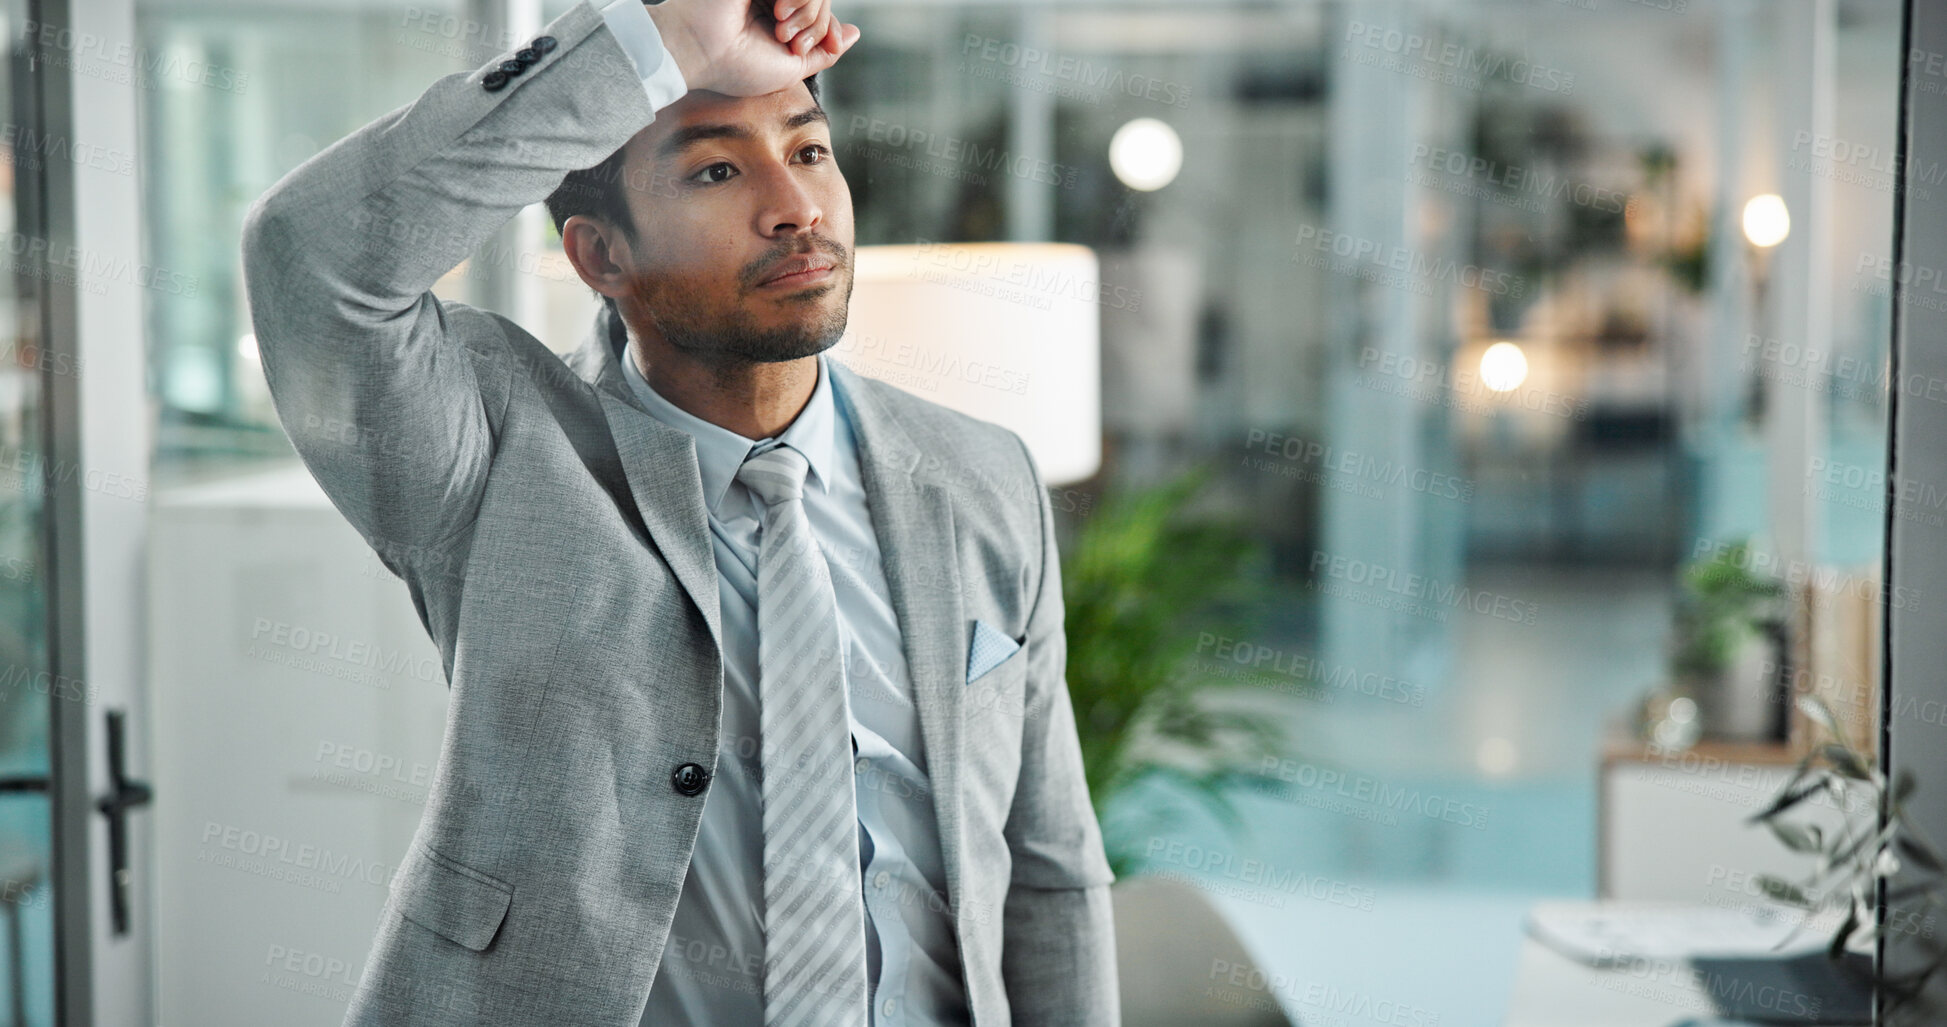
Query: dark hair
<point x="597" y="193"/>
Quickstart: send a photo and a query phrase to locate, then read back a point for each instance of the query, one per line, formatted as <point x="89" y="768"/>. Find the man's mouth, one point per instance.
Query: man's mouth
<point x="801" y="270"/>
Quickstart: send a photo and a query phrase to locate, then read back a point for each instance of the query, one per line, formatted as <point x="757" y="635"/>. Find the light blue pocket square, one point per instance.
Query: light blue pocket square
<point x="989" y="648"/>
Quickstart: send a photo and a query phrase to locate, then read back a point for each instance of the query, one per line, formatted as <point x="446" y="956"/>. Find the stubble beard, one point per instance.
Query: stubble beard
<point x="729" y="341"/>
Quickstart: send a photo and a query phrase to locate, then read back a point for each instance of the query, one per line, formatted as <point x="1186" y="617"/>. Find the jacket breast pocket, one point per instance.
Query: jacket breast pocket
<point x="1000" y="691"/>
<point x="451" y="899"/>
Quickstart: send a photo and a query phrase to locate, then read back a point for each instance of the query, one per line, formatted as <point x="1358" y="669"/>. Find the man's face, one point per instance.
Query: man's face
<point x="727" y="190"/>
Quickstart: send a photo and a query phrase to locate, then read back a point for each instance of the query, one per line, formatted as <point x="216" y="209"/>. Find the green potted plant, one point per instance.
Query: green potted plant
<point x="1724" y="652"/>
<point x="1854" y="862"/>
<point x="1142" y="579"/>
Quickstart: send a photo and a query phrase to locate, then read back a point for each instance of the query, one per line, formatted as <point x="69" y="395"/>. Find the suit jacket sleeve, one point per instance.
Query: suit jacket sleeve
<point x="1058" y="956"/>
<point x="391" y="397"/>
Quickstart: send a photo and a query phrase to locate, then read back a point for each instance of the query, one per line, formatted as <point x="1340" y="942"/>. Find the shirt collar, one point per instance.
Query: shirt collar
<point x="720" y="451"/>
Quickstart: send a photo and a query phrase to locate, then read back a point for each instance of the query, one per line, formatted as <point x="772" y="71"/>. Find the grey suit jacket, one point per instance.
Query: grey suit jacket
<point x="554" y="540"/>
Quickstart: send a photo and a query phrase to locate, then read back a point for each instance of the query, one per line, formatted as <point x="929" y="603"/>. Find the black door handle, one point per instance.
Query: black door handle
<point x="115" y="805"/>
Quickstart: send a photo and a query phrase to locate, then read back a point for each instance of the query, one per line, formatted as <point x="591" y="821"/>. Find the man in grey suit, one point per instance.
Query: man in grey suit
<point x="757" y="710"/>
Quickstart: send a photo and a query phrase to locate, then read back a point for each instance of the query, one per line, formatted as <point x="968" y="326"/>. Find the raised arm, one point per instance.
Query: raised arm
<point x="391" y="396"/>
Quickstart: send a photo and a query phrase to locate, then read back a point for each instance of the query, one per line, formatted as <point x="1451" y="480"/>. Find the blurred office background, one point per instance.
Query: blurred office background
<point x="1464" y="313"/>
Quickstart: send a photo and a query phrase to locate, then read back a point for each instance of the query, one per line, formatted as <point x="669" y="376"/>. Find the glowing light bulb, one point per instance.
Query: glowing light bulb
<point x="1766" y="221"/>
<point x="1145" y="154"/>
<point x="1504" y="367"/>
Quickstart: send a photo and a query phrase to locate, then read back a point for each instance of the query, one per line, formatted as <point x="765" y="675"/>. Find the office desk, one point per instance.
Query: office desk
<point x="1552" y="990"/>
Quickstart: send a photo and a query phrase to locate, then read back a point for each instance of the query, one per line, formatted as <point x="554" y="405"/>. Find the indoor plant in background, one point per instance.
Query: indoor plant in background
<point x="1873" y="842"/>
<point x="1142" y="580"/>
<point x="1727" y="644"/>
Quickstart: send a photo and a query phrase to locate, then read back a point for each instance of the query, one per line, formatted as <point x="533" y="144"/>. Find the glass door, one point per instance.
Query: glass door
<point x="27" y="909"/>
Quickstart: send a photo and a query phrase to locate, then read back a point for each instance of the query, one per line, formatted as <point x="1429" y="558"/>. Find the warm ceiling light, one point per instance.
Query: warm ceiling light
<point x="1504" y="367"/>
<point x="1145" y="154"/>
<point x="1766" y="221"/>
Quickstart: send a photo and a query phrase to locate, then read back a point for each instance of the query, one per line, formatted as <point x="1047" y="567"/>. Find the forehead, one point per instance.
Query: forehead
<point x="702" y="115"/>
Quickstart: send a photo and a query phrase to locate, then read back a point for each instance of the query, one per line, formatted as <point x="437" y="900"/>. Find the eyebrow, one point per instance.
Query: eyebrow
<point x="684" y="138"/>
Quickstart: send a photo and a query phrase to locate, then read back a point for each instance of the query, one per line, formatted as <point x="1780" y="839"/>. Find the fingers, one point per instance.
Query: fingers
<point x="817" y="32"/>
<point x="833" y="40"/>
<point x="824" y="57"/>
<point x="813" y="35"/>
<point x="808" y="28"/>
<point x="803" y="13"/>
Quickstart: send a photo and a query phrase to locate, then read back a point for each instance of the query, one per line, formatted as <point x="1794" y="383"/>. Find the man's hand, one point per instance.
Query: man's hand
<point x="751" y="47"/>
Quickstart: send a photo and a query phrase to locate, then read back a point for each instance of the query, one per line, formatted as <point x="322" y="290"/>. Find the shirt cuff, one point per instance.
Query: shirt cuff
<point x="629" y="22"/>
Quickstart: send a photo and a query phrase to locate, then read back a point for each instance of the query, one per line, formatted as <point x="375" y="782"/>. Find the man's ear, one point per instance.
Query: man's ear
<point x="599" y="252"/>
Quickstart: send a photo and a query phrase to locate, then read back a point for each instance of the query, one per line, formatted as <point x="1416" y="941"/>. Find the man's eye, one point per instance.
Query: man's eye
<point x="825" y="155"/>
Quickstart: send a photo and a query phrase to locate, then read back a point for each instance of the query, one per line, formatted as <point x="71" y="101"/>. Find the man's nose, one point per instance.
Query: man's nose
<point x="789" y="202"/>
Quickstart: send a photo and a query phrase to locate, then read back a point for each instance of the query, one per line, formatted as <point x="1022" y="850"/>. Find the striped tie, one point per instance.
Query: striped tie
<point x="814" y="913"/>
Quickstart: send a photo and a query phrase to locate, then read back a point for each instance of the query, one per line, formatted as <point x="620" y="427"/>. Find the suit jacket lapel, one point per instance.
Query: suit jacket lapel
<point x="659" y="463"/>
<point x="912" y="516"/>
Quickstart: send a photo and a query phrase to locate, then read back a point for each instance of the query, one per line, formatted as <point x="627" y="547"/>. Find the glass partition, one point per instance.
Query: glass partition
<point x="1516" y="371"/>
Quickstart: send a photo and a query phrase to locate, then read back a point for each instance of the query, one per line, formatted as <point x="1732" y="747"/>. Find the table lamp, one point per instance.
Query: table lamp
<point x="1006" y="332"/>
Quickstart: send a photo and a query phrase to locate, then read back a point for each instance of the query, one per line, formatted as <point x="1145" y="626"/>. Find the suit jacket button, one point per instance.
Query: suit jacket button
<point x="512" y="67"/>
<point x="494" y="80"/>
<point x="689" y="779"/>
<point x="543" y="43"/>
<point x="527" y="55"/>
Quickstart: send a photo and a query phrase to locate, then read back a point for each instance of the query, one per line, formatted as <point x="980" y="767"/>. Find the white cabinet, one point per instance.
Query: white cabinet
<point x="1673" y="825"/>
<point x="299" y="708"/>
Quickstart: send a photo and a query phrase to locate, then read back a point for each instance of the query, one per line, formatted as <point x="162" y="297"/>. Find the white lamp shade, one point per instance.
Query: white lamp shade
<point x="1006" y="332"/>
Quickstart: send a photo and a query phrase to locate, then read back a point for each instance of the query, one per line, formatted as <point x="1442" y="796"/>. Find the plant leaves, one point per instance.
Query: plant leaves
<point x="1876" y="839"/>
<point x="1783" y="891"/>
<point x="1814" y="708"/>
<point x="1796" y="837"/>
<point x="1788" y="798"/>
<point x="1837" y="948"/>
<point x="1920" y="853"/>
<point x="1845" y="761"/>
<point x="1903" y="785"/>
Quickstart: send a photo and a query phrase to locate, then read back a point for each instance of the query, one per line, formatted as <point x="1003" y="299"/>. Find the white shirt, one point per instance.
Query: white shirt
<point x="712" y="967"/>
